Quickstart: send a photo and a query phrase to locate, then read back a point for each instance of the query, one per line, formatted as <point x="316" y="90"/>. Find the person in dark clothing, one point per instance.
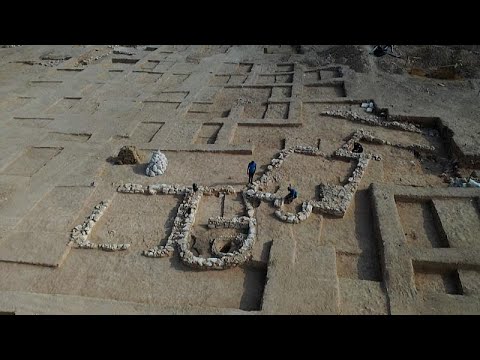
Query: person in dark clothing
<point x="292" y="195"/>
<point x="252" y="167"/>
<point x="381" y="50"/>
<point x="357" y="148"/>
<point x="195" y="187"/>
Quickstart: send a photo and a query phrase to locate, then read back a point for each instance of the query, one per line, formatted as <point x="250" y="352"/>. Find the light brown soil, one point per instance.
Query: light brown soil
<point x="211" y="110"/>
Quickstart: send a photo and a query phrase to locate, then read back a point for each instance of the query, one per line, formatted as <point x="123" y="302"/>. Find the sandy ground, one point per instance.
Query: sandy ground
<point x="65" y="110"/>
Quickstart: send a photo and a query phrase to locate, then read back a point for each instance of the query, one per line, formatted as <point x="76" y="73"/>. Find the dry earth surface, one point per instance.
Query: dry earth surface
<point x="405" y="242"/>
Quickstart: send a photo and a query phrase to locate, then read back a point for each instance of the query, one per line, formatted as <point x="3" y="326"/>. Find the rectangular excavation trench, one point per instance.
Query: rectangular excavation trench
<point x="208" y="133"/>
<point x="431" y="278"/>
<point x="319" y="92"/>
<point x="146" y="131"/>
<point x="32" y="160"/>
<point x="420" y="225"/>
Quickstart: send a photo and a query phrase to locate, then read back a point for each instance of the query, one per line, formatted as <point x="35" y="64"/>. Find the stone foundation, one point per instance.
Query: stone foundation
<point x="80" y="233"/>
<point x="335" y="200"/>
<point x="185" y="219"/>
<point x="372" y="120"/>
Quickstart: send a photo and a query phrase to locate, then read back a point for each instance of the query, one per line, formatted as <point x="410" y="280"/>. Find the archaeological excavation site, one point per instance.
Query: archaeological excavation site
<point x="124" y="181"/>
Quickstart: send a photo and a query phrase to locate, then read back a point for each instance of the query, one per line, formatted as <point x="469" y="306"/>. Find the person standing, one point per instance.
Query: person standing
<point x="252" y="167"/>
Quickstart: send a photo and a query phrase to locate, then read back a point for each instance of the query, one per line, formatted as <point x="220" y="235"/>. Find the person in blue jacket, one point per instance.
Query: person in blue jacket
<point x="252" y="167"/>
<point x="292" y="195"/>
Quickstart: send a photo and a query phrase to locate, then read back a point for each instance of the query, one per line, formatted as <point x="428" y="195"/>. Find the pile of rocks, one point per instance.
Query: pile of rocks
<point x="129" y="155"/>
<point x="372" y="120"/>
<point x="80" y="233"/>
<point x="157" y="165"/>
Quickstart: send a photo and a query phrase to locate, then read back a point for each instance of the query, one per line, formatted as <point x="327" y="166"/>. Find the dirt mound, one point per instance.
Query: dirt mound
<point x="321" y="55"/>
<point x="436" y="61"/>
<point x="129" y="155"/>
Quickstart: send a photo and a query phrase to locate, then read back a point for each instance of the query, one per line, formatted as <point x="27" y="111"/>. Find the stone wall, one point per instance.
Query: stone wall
<point x="80" y="233"/>
<point x="372" y="120"/>
<point x="335" y="200"/>
<point x="185" y="219"/>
